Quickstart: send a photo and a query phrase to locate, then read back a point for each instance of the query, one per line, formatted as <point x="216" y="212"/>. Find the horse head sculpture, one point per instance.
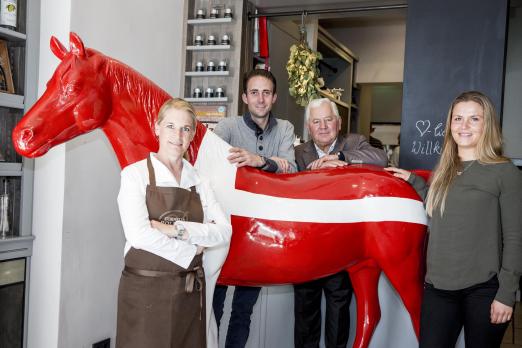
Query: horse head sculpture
<point x="287" y="228"/>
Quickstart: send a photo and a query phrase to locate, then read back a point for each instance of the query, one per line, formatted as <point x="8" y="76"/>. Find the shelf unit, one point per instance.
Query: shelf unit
<point x="230" y="80"/>
<point x="339" y="72"/>
<point x="23" y="47"/>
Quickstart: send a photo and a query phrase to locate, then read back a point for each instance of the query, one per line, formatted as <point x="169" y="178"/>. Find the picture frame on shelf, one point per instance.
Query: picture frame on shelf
<point x="6" y="76"/>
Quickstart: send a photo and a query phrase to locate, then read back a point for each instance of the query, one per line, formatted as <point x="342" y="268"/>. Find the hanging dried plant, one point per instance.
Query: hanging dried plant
<point x="303" y="73"/>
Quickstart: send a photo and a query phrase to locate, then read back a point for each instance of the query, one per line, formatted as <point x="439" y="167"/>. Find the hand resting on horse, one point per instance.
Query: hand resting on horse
<point x="328" y="161"/>
<point x="399" y="173"/>
<point x="241" y="158"/>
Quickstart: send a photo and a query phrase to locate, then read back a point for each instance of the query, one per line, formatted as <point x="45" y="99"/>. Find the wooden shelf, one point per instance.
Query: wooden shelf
<point x="11" y="35"/>
<point x="209" y="48"/>
<point x="207" y="100"/>
<point x="207" y="73"/>
<point x="11" y="100"/>
<point x="336" y="101"/>
<point x="209" y="21"/>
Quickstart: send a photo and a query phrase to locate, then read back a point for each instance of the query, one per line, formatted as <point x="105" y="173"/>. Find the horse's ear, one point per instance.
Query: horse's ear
<point x="57" y="48"/>
<point x="76" y="45"/>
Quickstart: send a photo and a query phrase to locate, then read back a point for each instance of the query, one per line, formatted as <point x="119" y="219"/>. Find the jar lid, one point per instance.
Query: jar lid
<point x="219" y="89"/>
<point x="214" y="10"/>
<point x="228" y="10"/>
<point x="197" y="89"/>
<point x="225" y="37"/>
<point x="211" y="37"/>
<point x="210" y="89"/>
<point x="199" y="37"/>
<point x="211" y="63"/>
<point x="222" y="63"/>
<point x="200" y="63"/>
<point x="201" y="11"/>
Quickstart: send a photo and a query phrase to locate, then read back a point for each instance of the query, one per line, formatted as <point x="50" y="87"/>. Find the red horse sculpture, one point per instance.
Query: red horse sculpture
<point x="286" y="228"/>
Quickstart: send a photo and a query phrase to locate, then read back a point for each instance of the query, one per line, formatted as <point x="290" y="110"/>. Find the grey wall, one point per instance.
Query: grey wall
<point x="512" y="115"/>
<point x="380" y="48"/>
<point x="447" y="52"/>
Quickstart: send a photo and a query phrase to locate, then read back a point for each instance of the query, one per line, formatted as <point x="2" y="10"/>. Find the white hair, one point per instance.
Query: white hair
<point x="316" y="103"/>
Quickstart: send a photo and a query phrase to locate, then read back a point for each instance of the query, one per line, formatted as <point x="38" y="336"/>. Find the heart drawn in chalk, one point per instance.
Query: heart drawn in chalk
<point x="423" y="126"/>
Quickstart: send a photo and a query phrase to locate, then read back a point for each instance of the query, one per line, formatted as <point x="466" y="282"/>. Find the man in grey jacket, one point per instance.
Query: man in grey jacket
<point x="262" y="141"/>
<point x="328" y="150"/>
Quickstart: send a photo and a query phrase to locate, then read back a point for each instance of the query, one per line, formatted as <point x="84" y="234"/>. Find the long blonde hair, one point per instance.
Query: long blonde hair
<point x="489" y="150"/>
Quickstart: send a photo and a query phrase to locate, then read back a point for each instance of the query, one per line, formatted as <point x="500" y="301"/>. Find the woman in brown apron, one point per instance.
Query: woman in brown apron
<point x="169" y="216"/>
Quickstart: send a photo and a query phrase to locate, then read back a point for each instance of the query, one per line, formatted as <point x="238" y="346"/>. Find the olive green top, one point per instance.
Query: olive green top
<point x="480" y="233"/>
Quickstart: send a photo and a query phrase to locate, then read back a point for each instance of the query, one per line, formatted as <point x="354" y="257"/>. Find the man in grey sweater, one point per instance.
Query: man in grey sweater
<point x="262" y="141"/>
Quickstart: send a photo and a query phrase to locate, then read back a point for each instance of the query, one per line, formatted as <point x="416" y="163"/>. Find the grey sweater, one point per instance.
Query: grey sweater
<point x="277" y="139"/>
<point x="480" y="234"/>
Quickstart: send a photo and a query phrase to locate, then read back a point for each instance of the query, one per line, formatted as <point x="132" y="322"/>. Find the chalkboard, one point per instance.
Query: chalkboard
<point x="451" y="47"/>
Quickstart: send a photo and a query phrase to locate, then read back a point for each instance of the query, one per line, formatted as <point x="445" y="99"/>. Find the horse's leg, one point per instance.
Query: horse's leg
<point x="365" y="278"/>
<point x="407" y="276"/>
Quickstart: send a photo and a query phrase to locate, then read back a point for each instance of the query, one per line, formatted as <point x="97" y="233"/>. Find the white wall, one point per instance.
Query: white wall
<point x="78" y="251"/>
<point x="46" y="261"/>
<point x="380" y="49"/>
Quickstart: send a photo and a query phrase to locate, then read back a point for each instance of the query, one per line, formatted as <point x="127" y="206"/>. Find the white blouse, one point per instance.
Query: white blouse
<point x="214" y="231"/>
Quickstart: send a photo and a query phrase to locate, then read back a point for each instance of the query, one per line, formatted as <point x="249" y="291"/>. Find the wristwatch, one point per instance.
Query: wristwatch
<point x="340" y="156"/>
<point x="180" y="231"/>
<point x="265" y="162"/>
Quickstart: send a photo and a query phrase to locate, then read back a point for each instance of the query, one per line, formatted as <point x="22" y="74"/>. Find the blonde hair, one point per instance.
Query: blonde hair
<point x="315" y="103"/>
<point x="178" y="104"/>
<point x="489" y="150"/>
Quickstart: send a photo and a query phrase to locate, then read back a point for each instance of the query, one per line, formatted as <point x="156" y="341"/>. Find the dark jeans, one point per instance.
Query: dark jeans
<point x="243" y="302"/>
<point x="444" y="312"/>
<point x="307" y="308"/>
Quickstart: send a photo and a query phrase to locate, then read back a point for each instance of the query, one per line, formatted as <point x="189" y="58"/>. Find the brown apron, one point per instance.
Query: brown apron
<point x="160" y="304"/>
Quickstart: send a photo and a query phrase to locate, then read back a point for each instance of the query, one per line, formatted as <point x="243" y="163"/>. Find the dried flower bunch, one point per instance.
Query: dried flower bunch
<point x="303" y="73"/>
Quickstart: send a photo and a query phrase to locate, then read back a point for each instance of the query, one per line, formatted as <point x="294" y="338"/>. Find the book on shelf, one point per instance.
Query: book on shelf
<point x="6" y="77"/>
<point x="210" y="113"/>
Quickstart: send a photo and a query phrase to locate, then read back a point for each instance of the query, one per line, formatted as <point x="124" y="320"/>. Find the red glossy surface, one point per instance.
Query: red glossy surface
<point x="90" y="90"/>
<point x="353" y="182"/>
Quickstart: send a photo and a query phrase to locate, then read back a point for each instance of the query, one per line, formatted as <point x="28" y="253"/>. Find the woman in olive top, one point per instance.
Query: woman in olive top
<point x="474" y="257"/>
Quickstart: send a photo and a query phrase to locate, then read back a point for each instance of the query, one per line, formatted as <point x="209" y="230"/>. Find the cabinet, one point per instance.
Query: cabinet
<point x="16" y="173"/>
<point x="211" y="109"/>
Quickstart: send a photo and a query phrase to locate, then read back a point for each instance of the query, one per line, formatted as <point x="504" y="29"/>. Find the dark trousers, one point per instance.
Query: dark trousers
<point x="243" y="302"/>
<point x="444" y="312"/>
<point x="307" y="309"/>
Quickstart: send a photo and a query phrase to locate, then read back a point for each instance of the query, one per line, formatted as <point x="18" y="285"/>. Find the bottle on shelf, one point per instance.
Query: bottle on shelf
<point x="200" y="14"/>
<point x="8" y="11"/>
<point x="214" y="13"/>
<point x="228" y="13"/>
<point x="197" y="93"/>
<point x="222" y="65"/>
<point x="211" y="40"/>
<point x="209" y="93"/>
<point x="198" y="41"/>
<point x="199" y="66"/>
<point x="220" y="93"/>
<point x="211" y="66"/>
<point x="225" y="39"/>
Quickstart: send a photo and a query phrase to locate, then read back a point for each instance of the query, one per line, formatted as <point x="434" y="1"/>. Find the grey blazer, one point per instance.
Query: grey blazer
<point x="355" y="147"/>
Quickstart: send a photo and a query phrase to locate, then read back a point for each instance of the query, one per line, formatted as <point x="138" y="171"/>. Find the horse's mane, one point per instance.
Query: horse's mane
<point x="126" y="80"/>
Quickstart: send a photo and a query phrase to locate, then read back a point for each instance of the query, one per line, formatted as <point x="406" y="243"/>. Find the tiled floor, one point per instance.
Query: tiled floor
<point x="508" y="338"/>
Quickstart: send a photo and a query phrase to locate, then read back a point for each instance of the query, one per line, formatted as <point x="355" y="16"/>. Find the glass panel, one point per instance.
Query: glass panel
<point x="8" y="119"/>
<point x="10" y="190"/>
